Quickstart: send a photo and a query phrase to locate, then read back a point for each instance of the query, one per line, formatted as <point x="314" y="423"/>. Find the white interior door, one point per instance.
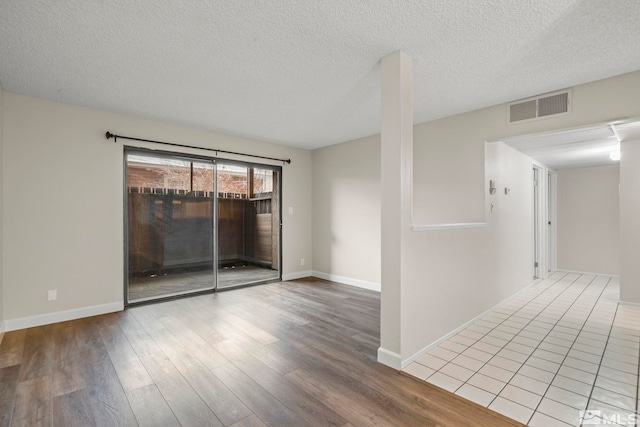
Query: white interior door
<point x="536" y="222"/>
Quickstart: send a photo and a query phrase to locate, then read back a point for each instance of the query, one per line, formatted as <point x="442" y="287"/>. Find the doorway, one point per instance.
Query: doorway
<point x="552" y="221"/>
<point x="543" y="219"/>
<point x="196" y="224"/>
<point x="537" y="237"/>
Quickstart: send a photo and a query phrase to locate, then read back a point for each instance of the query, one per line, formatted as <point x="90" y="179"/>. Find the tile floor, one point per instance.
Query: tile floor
<point x="561" y="349"/>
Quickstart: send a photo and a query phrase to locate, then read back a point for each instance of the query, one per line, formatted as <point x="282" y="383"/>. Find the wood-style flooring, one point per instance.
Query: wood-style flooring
<point x="299" y="353"/>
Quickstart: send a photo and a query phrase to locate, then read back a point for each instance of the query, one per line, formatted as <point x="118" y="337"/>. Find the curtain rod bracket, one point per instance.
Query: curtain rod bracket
<point x="110" y="135"/>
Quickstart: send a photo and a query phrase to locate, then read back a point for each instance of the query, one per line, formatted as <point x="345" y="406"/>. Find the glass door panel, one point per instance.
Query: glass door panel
<point x="170" y="226"/>
<point x="248" y="228"/>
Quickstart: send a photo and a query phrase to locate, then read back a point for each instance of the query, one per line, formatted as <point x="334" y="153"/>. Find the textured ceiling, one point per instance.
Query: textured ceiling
<point x="572" y="148"/>
<point x="306" y="73"/>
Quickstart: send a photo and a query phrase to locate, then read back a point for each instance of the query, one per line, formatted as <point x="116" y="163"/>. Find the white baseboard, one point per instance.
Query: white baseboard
<point x="629" y="303"/>
<point x="389" y="358"/>
<point x="296" y="275"/>
<point x="61" y="316"/>
<point x="372" y="286"/>
<point x="446" y="337"/>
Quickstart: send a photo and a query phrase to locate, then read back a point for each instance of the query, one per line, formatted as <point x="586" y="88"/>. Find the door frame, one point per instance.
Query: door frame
<point x="279" y="183"/>
<point x="536" y="211"/>
<point x="129" y="149"/>
<point x="543" y="220"/>
<point x="552" y="220"/>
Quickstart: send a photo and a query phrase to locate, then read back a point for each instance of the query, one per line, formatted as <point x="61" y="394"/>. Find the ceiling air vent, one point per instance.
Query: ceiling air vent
<point x="538" y="107"/>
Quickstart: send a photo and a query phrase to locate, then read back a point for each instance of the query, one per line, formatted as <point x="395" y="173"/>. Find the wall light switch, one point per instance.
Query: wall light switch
<point x="290" y="210"/>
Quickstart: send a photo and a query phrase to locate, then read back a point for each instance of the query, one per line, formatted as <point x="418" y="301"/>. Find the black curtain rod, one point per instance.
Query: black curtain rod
<point x="115" y="137"/>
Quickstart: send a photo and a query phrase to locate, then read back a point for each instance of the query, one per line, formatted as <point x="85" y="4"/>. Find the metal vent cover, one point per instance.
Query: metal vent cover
<point x="523" y="111"/>
<point x="538" y="107"/>
<point x="554" y="104"/>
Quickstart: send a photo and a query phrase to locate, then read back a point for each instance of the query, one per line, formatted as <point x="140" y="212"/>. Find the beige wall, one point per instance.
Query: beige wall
<point x="470" y="269"/>
<point x="510" y="225"/>
<point x="1" y="204"/>
<point x="70" y="237"/>
<point x="453" y="275"/>
<point x="589" y="219"/>
<point x="346" y="212"/>
<point x="630" y="217"/>
<point x="446" y="151"/>
<point x="449" y="154"/>
<point x="63" y="204"/>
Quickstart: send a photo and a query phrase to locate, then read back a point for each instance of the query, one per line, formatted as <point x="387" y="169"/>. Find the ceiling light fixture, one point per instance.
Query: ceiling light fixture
<point x="615" y="155"/>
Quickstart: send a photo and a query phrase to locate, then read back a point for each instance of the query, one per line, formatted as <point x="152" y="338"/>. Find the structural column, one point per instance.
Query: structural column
<point x="396" y="181"/>
<point x="630" y="217"/>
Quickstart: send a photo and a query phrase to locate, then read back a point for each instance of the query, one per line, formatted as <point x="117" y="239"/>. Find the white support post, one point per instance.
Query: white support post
<point x="396" y="181"/>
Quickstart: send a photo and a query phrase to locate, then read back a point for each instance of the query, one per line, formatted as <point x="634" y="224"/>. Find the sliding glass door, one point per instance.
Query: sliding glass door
<point x="170" y="222"/>
<point x="248" y="224"/>
<point x="193" y="225"/>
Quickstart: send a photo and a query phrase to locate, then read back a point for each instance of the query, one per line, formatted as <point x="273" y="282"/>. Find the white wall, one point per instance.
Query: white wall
<point x="589" y="219"/>
<point x="346" y="212"/>
<point x="63" y="205"/>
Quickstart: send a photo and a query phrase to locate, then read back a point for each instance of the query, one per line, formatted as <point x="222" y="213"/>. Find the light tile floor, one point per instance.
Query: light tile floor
<point x="561" y="349"/>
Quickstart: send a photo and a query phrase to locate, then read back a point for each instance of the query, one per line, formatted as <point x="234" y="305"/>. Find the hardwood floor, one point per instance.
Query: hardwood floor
<point x="300" y="353"/>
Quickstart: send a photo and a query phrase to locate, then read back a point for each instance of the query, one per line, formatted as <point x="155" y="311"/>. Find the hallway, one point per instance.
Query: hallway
<point x="560" y="347"/>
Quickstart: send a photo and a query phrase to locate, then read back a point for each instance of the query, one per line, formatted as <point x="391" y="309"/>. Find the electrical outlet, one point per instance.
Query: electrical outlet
<point x="301" y="261"/>
<point x="52" y="295"/>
